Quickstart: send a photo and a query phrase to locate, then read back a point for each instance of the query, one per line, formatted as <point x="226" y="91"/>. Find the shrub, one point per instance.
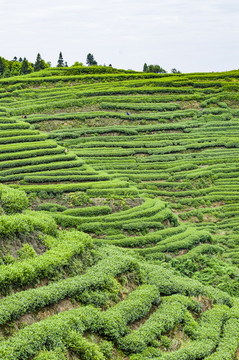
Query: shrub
<point x="13" y="200"/>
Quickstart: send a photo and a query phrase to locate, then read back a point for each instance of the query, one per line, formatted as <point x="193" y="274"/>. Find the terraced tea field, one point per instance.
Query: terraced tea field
<point x="119" y="215"/>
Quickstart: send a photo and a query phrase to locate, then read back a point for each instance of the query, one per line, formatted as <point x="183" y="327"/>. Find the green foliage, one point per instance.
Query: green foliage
<point x="77" y="198"/>
<point x="96" y="277"/>
<point x="32" y="268"/>
<point x="2" y="66"/>
<point x="26" y="67"/>
<point x="85" y="349"/>
<point x="50" y="355"/>
<point x="51" y="333"/>
<point x="26" y="252"/>
<point x="40" y="64"/>
<point x="89" y="211"/>
<point x="60" y="62"/>
<point x="170" y="313"/>
<point x="153" y="69"/>
<point x="90" y="60"/>
<point x="153" y="212"/>
<point x="106" y="348"/>
<point x="136" y="306"/>
<point x="179" y="144"/>
<point x="51" y="207"/>
<point x="9" y="259"/>
<point x="165" y="342"/>
<point x="12" y="200"/>
<point x="26" y="223"/>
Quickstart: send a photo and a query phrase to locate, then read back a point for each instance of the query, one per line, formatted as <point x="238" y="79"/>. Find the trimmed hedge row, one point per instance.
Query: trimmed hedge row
<point x="14" y="133"/>
<point x="29" y="146"/>
<point x="148" y="208"/>
<point x="129" y="130"/>
<point x="138" y="107"/>
<point x="96" y="277"/>
<point x="85" y="349"/>
<point x="229" y="341"/>
<point x="206" y="336"/>
<point x="46" y="105"/>
<point x="99" y="114"/>
<point x="139" y="241"/>
<point x="44" y="266"/>
<point x="13" y="125"/>
<point x="22" y="138"/>
<point x="26" y="223"/>
<point x="44" y="167"/>
<point x="31" y="153"/>
<point x="89" y="211"/>
<point x="177" y="242"/>
<point x="67" y="178"/>
<point x="50" y="333"/>
<point x="36" y="160"/>
<point x="170" y="313"/>
<point x="113" y="322"/>
<point x="170" y="283"/>
<point x="51" y="207"/>
<point x="60" y="188"/>
<point x="115" y="192"/>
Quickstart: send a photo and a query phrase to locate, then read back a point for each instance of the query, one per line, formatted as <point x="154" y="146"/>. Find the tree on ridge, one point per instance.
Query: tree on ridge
<point x="26" y="67"/>
<point x="60" y="62"/>
<point x="2" y="66"/>
<point x="90" y="60"/>
<point x="40" y="63"/>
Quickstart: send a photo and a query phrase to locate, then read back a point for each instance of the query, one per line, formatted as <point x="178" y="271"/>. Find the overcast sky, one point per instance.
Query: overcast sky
<point x="190" y="35"/>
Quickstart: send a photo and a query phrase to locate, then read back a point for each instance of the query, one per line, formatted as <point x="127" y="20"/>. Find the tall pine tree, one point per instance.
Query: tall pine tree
<point x="39" y="63"/>
<point x="24" y="67"/>
<point x="60" y="62"/>
<point x="2" y="66"/>
<point x="145" y="68"/>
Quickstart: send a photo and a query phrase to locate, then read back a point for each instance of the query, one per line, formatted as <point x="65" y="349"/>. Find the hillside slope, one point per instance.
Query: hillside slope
<point x="126" y="244"/>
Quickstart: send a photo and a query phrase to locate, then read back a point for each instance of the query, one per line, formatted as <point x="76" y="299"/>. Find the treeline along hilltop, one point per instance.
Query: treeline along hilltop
<point x="21" y="66"/>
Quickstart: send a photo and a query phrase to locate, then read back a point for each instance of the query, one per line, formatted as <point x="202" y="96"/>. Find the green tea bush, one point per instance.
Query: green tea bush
<point x="31" y="153"/>
<point x="43" y="167"/>
<point x="61" y="188"/>
<point x="88" y="211"/>
<point x="50" y="355"/>
<point x="51" y="207"/>
<point x="138" y="107"/>
<point x="85" y="349"/>
<point x="37" y="160"/>
<point x="206" y="336"/>
<point x="26" y="252"/>
<point x="17" y="133"/>
<point x="26" y="223"/>
<point x="170" y="313"/>
<point x="22" y="139"/>
<point x="14" y="125"/>
<point x="64" y="178"/>
<point x="49" y="333"/>
<point x="96" y="277"/>
<point x="13" y="200"/>
<point x="150" y="238"/>
<point x="28" y="146"/>
<point x="26" y="272"/>
<point x="228" y="343"/>
<point x="113" y="322"/>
